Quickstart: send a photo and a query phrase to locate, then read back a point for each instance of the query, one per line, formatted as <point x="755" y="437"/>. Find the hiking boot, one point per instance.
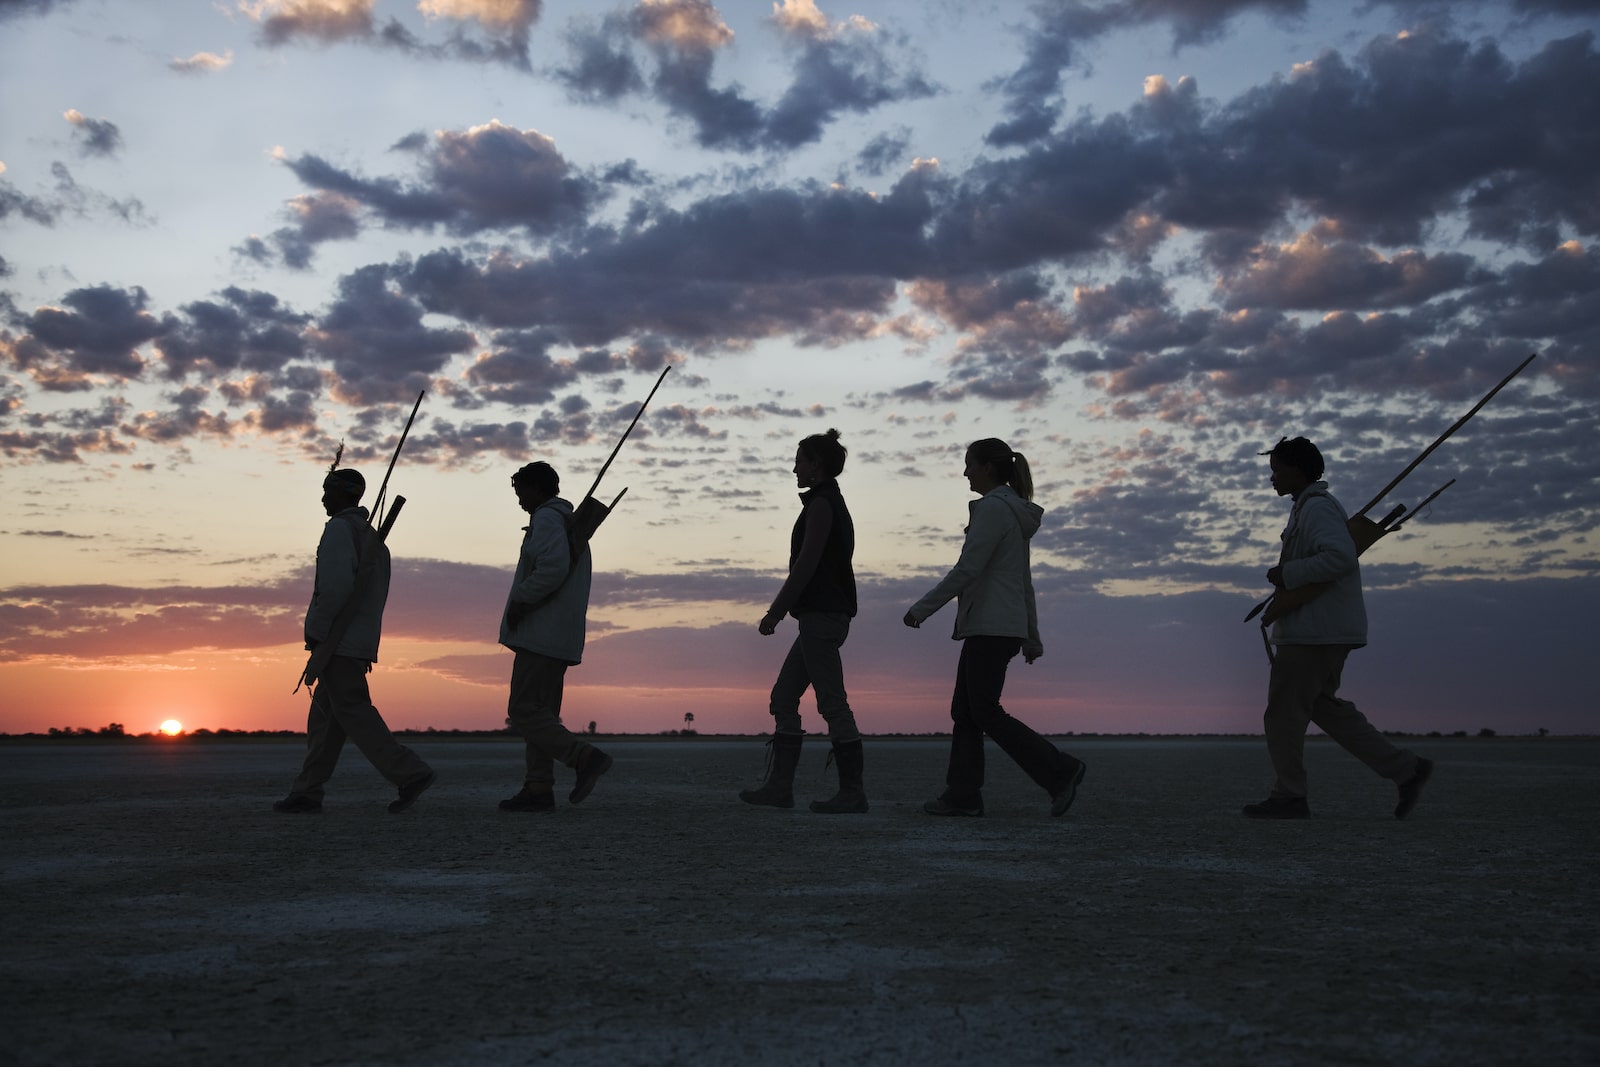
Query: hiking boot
<point x="410" y="792"/>
<point x="783" y="756"/>
<point x="591" y="766"/>
<point x="945" y="805"/>
<point x="297" y="804"/>
<point x="851" y="799"/>
<point x="528" y="800"/>
<point x="1062" y="799"/>
<point x="1279" y="808"/>
<point x="1411" y="788"/>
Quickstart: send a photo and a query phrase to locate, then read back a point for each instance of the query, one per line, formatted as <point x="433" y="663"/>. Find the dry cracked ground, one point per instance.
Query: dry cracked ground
<point x="154" y="910"/>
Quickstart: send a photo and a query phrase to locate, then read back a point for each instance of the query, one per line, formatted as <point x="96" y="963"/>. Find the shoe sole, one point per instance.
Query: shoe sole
<point x="404" y="803"/>
<point x="948" y="812"/>
<point x="1063" y="800"/>
<point x="599" y="765"/>
<point x="1269" y="817"/>
<point x="749" y="799"/>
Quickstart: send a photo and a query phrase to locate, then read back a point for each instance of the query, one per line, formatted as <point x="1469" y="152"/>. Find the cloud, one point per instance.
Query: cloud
<point x="839" y="68"/>
<point x="668" y="49"/>
<point x="1310" y="273"/>
<point x="322" y="21"/>
<point x="202" y="63"/>
<point x="376" y="342"/>
<point x="96" y="335"/>
<point x="1440" y="650"/>
<point x="1059" y="33"/>
<point x="487" y="177"/>
<point x="96" y="137"/>
<point x="67" y="198"/>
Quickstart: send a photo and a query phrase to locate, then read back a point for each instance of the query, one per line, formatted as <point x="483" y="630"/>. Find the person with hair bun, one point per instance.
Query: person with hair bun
<point x="995" y="619"/>
<point x="820" y="593"/>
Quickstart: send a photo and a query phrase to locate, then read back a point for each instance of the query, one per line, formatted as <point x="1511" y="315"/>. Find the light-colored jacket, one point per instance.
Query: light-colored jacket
<point x="991" y="581"/>
<point x="338" y="558"/>
<point x="558" y="605"/>
<point x="1317" y="547"/>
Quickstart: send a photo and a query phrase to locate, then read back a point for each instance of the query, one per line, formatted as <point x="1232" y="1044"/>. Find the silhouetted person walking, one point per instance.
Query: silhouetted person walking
<point x="352" y="577"/>
<point x="544" y="622"/>
<point x="995" y="619"/>
<point x="820" y="593"/>
<point x="1313" y="640"/>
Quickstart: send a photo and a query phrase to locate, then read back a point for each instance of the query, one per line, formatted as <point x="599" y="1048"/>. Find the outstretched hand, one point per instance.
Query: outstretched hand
<point x="911" y="621"/>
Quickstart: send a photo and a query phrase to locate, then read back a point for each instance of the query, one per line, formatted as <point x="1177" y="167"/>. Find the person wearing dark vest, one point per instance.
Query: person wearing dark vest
<point x="344" y="597"/>
<point x="820" y="593"/>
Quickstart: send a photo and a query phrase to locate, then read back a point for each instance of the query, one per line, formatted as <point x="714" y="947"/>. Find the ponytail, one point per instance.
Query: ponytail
<point x="1010" y="467"/>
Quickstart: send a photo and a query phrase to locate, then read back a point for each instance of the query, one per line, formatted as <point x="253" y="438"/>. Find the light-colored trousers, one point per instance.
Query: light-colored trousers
<point x="1301" y="691"/>
<point x="341" y="709"/>
<point x="813" y="663"/>
<point x="537" y="683"/>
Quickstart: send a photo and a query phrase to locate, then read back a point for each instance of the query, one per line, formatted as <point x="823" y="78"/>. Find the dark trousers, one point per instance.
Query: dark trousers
<point x="341" y="708"/>
<point x="537" y="683"/>
<point x="975" y="711"/>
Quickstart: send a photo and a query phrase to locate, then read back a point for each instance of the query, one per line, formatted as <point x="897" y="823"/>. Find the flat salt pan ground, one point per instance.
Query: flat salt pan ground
<point x="154" y="911"/>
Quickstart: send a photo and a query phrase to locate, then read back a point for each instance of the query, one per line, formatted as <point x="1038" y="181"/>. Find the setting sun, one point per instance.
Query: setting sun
<point x="172" y="727"/>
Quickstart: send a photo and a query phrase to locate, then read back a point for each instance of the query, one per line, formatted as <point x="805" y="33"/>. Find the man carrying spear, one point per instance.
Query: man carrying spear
<point x="544" y="622"/>
<point x="352" y="586"/>
<point x="1313" y="640"/>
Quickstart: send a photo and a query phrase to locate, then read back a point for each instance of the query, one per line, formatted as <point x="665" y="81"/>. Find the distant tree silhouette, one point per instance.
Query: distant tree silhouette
<point x="591" y="727"/>
<point x="1485" y="732"/>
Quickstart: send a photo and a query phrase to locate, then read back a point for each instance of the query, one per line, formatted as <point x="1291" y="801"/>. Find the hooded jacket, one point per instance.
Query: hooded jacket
<point x="557" y="605"/>
<point x="991" y="581"/>
<point x="345" y="537"/>
<point x="1317" y="547"/>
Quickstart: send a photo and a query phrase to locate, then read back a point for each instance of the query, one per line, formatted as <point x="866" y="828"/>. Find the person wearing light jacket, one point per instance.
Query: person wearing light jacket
<point x="1313" y="640"/>
<point x="996" y="618"/>
<point x="544" y="621"/>
<point x="341" y="705"/>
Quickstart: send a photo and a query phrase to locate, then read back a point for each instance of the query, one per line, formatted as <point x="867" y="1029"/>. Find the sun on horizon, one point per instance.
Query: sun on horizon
<point x="172" y="727"/>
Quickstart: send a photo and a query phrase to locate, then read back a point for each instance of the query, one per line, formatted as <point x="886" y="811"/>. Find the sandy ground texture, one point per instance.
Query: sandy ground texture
<point x="155" y="911"/>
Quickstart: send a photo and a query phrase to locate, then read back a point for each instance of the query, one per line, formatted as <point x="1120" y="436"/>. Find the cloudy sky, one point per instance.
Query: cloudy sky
<point x="1139" y="240"/>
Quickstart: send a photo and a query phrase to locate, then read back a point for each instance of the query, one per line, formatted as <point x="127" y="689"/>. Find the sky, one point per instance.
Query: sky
<point x="1139" y="240"/>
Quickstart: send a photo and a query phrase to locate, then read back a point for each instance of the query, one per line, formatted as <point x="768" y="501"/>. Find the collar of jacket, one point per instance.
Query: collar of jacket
<point x="553" y="502"/>
<point x="827" y="487"/>
<point x="1314" y="489"/>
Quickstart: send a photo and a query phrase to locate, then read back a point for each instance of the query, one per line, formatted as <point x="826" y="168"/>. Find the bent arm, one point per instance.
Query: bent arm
<point x="983" y="537"/>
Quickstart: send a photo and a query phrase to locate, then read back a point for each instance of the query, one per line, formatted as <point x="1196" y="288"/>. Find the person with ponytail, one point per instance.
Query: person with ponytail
<point x="995" y="619"/>
<point x="820" y="593"/>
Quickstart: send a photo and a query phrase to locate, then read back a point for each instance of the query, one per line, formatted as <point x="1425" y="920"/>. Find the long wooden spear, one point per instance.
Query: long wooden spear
<point x="1364" y="531"/>
<point x="590" y="513"/>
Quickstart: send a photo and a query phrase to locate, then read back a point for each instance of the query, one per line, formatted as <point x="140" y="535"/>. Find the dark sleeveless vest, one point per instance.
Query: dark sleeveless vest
<point x="833" y="586"/>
